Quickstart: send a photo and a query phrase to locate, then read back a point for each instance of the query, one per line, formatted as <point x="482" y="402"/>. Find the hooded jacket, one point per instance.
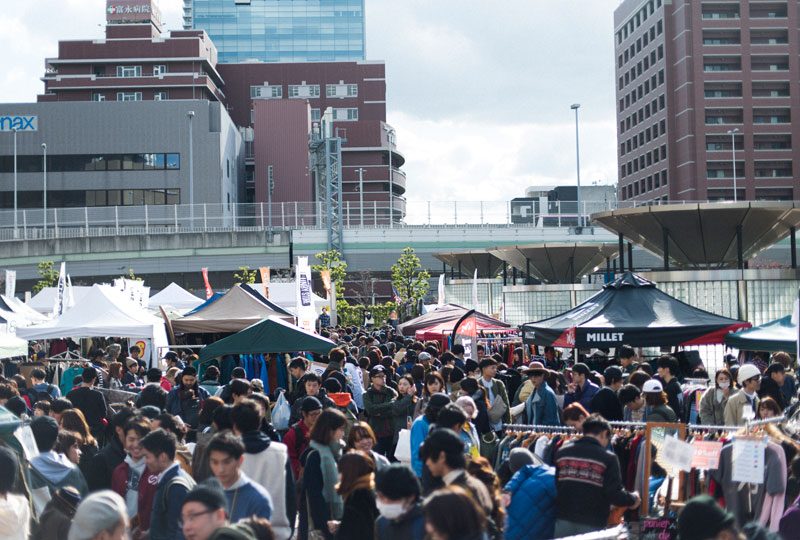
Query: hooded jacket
<point x="378" y="409"/>
<point x="55" y="521"/>
<point x="532" y="512"/>
<point x="60" y="471"/>
<point x="267" y="464"/>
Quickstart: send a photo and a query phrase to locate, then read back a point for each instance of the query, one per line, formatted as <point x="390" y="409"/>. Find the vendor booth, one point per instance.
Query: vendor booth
<point x="631" y="311"/>
<point x="175" y="296"/>
<point x="448" y="314"/>
<point x="774" y="336"/>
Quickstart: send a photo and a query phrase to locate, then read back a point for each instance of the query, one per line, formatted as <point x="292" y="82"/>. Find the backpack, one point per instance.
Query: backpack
<point x="41" y="395"/>
<point x="177" y="480"/>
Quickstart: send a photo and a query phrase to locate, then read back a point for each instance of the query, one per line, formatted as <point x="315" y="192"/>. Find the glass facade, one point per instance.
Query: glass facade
<point x="281" y="30"/>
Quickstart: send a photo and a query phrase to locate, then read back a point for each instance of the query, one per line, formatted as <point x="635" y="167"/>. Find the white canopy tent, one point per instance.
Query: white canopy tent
<point x="45" y="299"/>
<point x="102" y="311"/>
<point x="19" y="307"/>
<point x="175" y="296"/>
<point x="11" y="346"/>
<point x="284" y="295"/>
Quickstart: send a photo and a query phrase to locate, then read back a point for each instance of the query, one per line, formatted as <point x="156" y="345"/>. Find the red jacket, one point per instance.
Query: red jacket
<point x="296" y="447"/>
<point x="148" y="484"/>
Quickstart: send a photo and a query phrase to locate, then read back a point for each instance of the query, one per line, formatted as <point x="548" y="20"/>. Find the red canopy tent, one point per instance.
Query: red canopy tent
<point x="443" y="330"/>
<point x="448" y="314"/>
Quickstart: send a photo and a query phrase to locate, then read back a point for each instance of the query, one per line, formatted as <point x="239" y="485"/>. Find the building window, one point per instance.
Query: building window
<point x="160" y="96"/>
<point x="303" y="90"/>
<point x="159" y="69"/>
<point x="132" y="197"/>
<point x="129" y="96"/>
<point x="129" y="71"/>
<point x="316" y="114"/>
<point x="345" y="114"/>
<point x="266" y="92"/>
<point x="341" y="90"/>
<point x="92" y="162"/>
<point x="97" y="96"/>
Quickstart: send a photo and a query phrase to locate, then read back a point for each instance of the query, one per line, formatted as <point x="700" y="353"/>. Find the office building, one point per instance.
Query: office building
<point x="698" y="82"/>
<point x="281" y="30"/>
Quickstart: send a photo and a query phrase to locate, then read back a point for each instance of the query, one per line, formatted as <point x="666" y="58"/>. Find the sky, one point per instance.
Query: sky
<point x="479" y="91"/>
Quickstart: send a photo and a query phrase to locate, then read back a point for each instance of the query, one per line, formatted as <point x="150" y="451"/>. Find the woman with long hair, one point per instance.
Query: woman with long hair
<point x="357" y="489"/>
<point x="452" y="514"/>
<point x="319" y="500"/>
<point x="73" y="420"/>
<point x="403" y="407"/>
<point x="362" y="438"/>
<point x="115" y="376"/>
<point x="480" y="468"/>
<point x="433" y="384"/>
<point x="712" y="404"/>
<point x="768" y="408"/>
<point x="69" y="443"/>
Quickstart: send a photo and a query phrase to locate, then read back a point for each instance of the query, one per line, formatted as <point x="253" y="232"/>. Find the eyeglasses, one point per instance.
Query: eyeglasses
<point x="191" y="517"/>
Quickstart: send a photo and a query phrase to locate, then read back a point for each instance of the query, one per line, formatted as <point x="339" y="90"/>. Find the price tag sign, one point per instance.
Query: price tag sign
<point x="748" y="460"/>
<point x="706" y="454"/>
<point x="678" y="453"/>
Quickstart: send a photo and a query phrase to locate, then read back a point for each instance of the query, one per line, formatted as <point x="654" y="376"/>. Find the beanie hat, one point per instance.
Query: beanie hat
<point x="45" y="432"/>
<point x="518" y="458"/>
<point x="100" y="511"/>
<point x="703" y="518"/>
<point x="747" y="371"/>
<point x="396" y="482"/>
<point x="310" y="403"/>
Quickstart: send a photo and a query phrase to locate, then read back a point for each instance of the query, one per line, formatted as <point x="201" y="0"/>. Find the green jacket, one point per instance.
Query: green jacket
<point x="378" y="408"/>
<point x="401" y="409"/>
<point x="499" y="389"/>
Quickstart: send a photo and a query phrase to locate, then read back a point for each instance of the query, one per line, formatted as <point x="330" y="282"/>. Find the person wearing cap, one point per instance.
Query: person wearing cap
<point x="588" y="481"/>
<point x="297" y="438"/>
<point x="100" y="516"/>
<point x="656" y="401"/>
<point x="15" y="511"/>
<point x="499" y="406"/>
<point x="173" y="360"/>
<point x="581" y="389"/>
<point x="132" y="376"/>
<point x="530" y="498"/>
<point x="378" y="408"/>
<point x="187" y="397"/>
<point x="398" y="500"/>
<point x="703" y="519"/>
<point x="771" y="383"/>
<point x="606" y="402"/>
<point x="541" y="407"/>
<point x="56" y="519"/>
<point x="743" y="405"/>
<point x="204" y="510"/>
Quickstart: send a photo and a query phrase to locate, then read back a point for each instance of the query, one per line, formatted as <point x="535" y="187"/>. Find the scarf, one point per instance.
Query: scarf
<point x="364" y="482"/>
<point x="328" y="457"/>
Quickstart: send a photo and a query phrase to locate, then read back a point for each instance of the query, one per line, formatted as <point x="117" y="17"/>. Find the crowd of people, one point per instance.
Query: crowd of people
<point x="395" y="439"/>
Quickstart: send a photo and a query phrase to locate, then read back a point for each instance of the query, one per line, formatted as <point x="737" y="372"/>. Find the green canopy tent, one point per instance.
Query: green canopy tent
<point x="271" y="335"/>
<point x="774" y="336"/>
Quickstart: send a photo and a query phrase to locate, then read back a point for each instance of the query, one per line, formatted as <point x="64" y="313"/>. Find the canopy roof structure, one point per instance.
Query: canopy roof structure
<point x="704" y="235"/>
<point x="467" y="262"/>
<point x="447" y="314"/>
<point x="175" y="296"/>
<point x="284" y="295"/>
<point x="774" y="336"/>
<point x="20" y="308"/>
<point x="439" y="331"/>
<point x="11" y="346"/>
<point x="44" y="300"/>
<point x="631" y="311"/>
<point x="272" y="335"/>
<point x="237" y="309"/>
<point x="556" y="263"/>
<point x="102" y="311"/>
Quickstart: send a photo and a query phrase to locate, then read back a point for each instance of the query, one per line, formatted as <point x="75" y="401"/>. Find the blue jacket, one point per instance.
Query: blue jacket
<point x="246" y="499"/>
<point x="532" y="512"/>
<point x="164" y="519"/>
<point x="419" y="430"/>
<point x="583" y="395"/>
<point x="545" y="411"/>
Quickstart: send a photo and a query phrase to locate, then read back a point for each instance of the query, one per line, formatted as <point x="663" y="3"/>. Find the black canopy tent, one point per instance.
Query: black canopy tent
<point x="631" y="311"/>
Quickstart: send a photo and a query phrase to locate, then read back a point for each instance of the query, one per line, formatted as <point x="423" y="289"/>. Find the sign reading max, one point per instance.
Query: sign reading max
<point x="19" y="123"/>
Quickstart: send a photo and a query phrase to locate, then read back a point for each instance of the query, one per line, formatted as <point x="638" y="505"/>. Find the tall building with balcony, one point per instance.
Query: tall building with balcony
<point x="702" y="86"/>
<point x="281" y="30"/>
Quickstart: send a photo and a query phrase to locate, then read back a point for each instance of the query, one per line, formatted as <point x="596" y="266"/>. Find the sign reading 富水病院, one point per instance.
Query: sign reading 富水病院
<point x="19" y="122"/>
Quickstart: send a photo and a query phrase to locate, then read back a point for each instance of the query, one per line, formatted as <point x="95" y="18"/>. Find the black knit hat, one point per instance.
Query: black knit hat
<point x="310" y="403"/>
<point x="397" y="482"/>
<point x="702" y="518"/>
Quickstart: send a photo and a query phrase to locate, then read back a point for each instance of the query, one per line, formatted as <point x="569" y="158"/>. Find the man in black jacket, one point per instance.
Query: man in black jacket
<point x="605" y="402"/>
<point x="589" y="481"/>
<point x="771" y="383"/>
<point x="152" y="393"/>
<point x="103" y="463"/>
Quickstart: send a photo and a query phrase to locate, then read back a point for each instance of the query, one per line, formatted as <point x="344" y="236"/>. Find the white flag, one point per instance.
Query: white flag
<point x="306" y="316"/>
<point x="58" y="305"/>
<point x="70" y="295"/>
<point x="475" y="290"/>
<point x="11" y="282"/>
<point x="440" y="300"/>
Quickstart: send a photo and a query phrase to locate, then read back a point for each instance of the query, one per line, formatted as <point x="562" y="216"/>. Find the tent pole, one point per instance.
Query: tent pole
<point x="621" y="253"/>
<point x="665" y="236"/>
<point x="630" y="256"/>
<point x="793" y="237"/>
<point x="608" y="269"/>
<point x="527" y="271"/>
<point x="514" y="275"/>
<point x="460" y="275"/>
<point x="505" y="274"/>
<point x="444" y="268"/>
<point x="739" y="253"/>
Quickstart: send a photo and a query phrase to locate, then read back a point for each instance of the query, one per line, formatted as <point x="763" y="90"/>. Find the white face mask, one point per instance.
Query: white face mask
<point x="390" y="510"/>
<point x="724" y="384"/>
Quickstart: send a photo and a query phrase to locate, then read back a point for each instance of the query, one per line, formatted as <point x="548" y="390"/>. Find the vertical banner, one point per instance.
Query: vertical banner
<point x="440" y="299"/>
<point x="264" y="270"/>
<point x="306" y="315"/>
<point x="11" y="282"/>
<point x="465" y="332"/>
<point x="325" y="275"/>
<point x="209" y="290"/>
<point x="70" y="294"/>
<point x="475" y="289"/>
<point x="58" y="305"/>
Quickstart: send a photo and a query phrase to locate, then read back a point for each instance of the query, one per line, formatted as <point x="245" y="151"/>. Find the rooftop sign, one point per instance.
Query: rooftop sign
<point x="132" y="11"/>
<point x="19" y="123"/>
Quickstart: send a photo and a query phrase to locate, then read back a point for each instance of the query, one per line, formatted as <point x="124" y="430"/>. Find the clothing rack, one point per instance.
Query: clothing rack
<point x="690" y="427"/>
<point x="773" y="420"/>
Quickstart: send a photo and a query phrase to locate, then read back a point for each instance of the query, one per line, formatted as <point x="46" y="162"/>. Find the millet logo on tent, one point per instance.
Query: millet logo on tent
<point x="605" y="336"/>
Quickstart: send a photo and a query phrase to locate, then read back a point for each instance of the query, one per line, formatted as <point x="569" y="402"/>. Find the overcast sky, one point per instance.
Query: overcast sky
<point x="478" y="90"/>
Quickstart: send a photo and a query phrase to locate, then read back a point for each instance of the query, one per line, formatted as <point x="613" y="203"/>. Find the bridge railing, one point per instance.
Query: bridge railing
<point x="35" y="223"/>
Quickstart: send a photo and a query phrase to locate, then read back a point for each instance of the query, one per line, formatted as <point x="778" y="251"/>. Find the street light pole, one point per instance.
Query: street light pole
<point x="16" y="232"/>
<point x="190" y="115"/>
<point x="732" y="133"/>
<point x="44" y="192"/>
<point x="575" y="107"/>
<point x="360" y="172"/>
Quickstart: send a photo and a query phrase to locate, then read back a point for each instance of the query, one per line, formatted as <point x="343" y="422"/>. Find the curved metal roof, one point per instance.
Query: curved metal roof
<point x="487" y="264"/>
<point x="704" y="235"/>
<point x="556" y="263"/>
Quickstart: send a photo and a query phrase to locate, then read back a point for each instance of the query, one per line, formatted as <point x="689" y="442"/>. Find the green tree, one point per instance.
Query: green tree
<point x="410" y="280"/>
<point x="246" y="276"/>
<point x="48" y="276"/>
<point x="133" y="276"/>
<point x="332" y="260"/>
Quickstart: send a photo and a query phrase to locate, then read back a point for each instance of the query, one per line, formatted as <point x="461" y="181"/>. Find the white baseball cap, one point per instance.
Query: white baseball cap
<point x="747" y="371"/>
<point x="652" y="386"/>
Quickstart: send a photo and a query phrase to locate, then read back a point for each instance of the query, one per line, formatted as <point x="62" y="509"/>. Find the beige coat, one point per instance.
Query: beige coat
<point x="734" y="407"/>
